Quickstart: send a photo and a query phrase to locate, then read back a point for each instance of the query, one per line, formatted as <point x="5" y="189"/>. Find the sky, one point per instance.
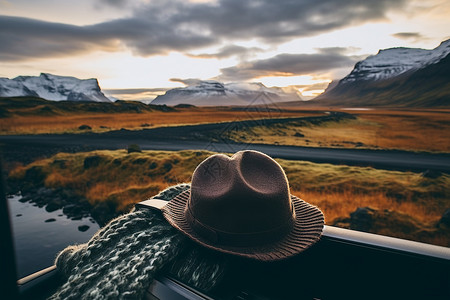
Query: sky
<point x="138" y="49"/>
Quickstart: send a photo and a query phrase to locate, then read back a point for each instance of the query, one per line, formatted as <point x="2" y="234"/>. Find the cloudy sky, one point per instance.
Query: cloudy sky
<point x="139" y="48"/>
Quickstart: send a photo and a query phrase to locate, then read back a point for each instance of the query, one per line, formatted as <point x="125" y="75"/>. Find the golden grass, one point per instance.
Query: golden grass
<point x="125" y="178"/>
<point x="101" y="122"/>
<point x="341" y="204"/>
<point x="374" y="129"/>
<point x="414" y="130"/>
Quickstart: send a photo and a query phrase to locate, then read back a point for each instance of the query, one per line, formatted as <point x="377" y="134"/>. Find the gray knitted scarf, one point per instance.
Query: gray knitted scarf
<point x="121" y="259"/>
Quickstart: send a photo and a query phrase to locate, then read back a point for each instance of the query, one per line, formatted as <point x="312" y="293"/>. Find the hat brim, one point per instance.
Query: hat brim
<point x="307" y="230"/>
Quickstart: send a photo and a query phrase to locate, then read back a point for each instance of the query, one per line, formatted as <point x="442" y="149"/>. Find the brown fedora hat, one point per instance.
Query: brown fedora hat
<point x="241" y="205"/>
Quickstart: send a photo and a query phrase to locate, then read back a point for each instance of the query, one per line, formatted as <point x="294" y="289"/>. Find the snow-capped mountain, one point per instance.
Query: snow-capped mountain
<point x="214" y="93"/>
<point x="396" y="76"/>
<point x="53" y="87"/>
<point x="392" y="62"/>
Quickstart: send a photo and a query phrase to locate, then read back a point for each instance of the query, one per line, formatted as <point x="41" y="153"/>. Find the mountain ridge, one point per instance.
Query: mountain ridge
<point x="404" y="77"/>
<point x="53" y="87"/>
<point x="214" y="93"/>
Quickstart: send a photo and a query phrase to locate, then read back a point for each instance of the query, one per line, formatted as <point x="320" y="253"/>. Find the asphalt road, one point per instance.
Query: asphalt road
<point x="31" y="146"/>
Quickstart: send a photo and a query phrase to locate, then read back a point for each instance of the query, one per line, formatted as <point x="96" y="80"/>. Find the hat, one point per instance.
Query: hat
<point x="241" y="205"/>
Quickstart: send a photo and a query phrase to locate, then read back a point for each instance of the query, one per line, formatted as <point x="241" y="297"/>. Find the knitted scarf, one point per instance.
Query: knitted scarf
<point x="121" y="259"/>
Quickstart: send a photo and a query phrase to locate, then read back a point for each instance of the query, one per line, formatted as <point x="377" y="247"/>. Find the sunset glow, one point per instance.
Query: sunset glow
<point x="141" y="46"/>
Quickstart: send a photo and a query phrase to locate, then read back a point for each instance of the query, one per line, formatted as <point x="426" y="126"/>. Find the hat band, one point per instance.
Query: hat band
<point x="238" y="239"/>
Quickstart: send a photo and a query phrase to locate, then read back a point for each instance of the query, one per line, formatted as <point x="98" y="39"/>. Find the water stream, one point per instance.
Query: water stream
<point x="39" y="235"/>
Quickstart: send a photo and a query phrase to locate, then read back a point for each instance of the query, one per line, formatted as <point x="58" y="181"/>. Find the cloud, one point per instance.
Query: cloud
<point x="134" y="91"/>
<point x="115" y="3"/>
<point x="161" y="26"/>
<point x="410" y="36"/>
<point x="287" y="65"/>
<point x="24" y="38"/>
<point x="135" y="94"/>
<point x="231" y="50"/>
<point x="313" y="87"/>
<point x="188" y="81"/>
<point x="338" y="50"/>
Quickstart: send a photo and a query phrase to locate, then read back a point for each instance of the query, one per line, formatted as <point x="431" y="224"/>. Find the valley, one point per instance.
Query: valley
<point x="376" y="128"/>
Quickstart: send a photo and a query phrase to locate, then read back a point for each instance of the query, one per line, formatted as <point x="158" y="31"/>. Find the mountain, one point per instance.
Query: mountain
<point x="53" y="87"/>
<point x="404" y="77"/>
<point x="214" y="93"/>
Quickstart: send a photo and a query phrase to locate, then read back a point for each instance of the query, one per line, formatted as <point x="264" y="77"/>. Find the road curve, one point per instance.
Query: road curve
<point x="23" y="145"/>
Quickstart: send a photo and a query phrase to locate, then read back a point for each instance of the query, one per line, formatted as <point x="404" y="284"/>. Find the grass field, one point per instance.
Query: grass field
<point x="122" y="179"/>
<point x="26" y="120"/>
<point x="373" y="129"/>
<point x="414" y="130"/>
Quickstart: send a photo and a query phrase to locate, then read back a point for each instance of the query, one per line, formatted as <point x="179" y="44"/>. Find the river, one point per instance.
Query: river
<point x="39" y="235"/>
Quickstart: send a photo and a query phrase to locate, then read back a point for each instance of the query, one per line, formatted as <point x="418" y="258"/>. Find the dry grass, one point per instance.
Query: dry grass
<point x="101" y="122"/>
<point x="374" y="129"/>
<point x="339" y="190"/>
<point x="415" y="130"/>
<point x="125" y="179"/>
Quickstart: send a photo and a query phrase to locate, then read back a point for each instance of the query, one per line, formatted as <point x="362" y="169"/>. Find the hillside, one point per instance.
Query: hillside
<point x="29" y="106"/>
<point x="213" y="93"/>
<point x="418" y="78"/>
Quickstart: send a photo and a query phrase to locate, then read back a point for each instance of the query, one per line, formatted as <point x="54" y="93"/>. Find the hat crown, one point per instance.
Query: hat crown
<point x="243" y="195"/>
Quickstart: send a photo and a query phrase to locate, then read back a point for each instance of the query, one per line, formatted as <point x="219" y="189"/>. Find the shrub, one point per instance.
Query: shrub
<point x="85" y="127"/>
<point x="134" y="148"/>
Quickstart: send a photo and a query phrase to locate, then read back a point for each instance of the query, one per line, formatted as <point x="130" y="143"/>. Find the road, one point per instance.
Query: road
<point x="31" y="146"/>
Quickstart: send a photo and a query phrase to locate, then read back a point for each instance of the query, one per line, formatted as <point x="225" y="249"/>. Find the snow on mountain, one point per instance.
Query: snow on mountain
<point x="53" y="87"/>
<point x="214" y="93"/>
<point x="400" y="77"/>
<point x="392" y="62"/>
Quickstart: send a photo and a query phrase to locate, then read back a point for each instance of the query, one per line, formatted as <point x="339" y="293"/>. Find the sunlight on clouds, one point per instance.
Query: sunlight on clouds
<point x="282" y="81"/>
<point x="5" y="4"/>
<point x="126" y="71"/>
<point x="80" y="12"/>
<point x="420" y="24"/>
<point x="304" y="84"/>
<point x="310" y="94"/>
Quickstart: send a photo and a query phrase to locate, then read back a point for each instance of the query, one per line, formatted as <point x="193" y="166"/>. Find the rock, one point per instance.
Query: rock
<point x="432" y="174"/>
<point x="18" y="215"/>
<point x="83" y="228"/>
<point x="298" y="134"/>
<point x="73" y="211"/>
<point x="36" y="175"/>
<point x="52" y="206"/>
<point x="91" y="161"/>
<point x="25" y="199"/>
<point x="103" y="212"/>
<point x="134" y="148"/>
<point x="362" y="219"/>
<point x="61" y="163"/>
<point x="44" y="192"/>
<point x="445" y="219"/>
<point x="167" y="166"/>
<point x="85" y="127"/>
<point x="139" y="161"/>
<point x="50" y="220"/>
